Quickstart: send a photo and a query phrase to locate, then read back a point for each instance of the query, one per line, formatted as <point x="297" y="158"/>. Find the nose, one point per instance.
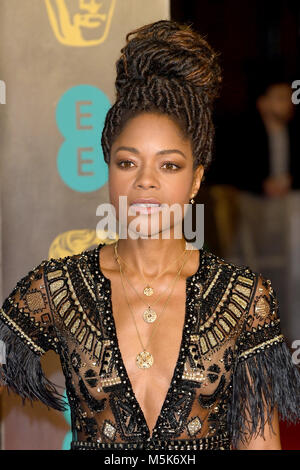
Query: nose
<point x="146" y="178"/>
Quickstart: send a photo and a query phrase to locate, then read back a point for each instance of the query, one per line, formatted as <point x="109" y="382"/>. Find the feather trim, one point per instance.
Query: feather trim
<point x="22" y="372"/>
<point x="268" y="377"/>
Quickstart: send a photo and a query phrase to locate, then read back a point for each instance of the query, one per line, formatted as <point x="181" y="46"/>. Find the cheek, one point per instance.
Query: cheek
<point x="114" y="193"/>
<point x="179" y="191"/>
<point x="115" y="183"/>
<point x="118" y="187"/>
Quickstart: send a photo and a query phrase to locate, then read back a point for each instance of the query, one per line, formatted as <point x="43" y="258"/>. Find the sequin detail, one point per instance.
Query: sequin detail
<point x="212" y="443"/>
<point x="65" y="305"/>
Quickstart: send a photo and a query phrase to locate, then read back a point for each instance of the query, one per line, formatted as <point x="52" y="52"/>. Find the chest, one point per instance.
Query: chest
<point x="181" y="349"/>
<point x="161" y="338"/>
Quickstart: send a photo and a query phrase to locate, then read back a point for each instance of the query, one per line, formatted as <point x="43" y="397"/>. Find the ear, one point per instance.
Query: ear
<point x="198" y="175"/>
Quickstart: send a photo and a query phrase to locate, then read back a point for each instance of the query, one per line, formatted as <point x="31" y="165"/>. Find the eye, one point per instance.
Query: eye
<point x="124" y="161"/>
<point x="177" y="167"/>
<point x="126" y="164"/>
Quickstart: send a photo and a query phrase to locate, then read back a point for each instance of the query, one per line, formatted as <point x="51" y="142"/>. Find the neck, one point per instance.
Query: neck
<point x="150" y="257"/>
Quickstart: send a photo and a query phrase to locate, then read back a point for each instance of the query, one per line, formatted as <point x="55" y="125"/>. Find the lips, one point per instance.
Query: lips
<point x="146" y="205"/>
<point x="146" y="201"/>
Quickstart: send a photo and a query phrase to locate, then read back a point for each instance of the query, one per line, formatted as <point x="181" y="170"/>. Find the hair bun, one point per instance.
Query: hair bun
<point x="169" y="50"/>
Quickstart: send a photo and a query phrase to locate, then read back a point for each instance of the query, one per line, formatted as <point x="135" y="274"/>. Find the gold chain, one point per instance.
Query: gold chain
<point x="145" y="359"/>
<point x="148" y="305"/>
<point x="149" y="290"/>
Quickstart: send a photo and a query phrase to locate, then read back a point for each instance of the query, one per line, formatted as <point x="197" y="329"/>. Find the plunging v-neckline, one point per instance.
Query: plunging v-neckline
<point x="121" y="364"/>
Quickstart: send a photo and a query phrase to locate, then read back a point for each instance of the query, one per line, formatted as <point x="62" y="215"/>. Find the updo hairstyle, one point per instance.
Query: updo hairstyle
<point x="167" y="68"/>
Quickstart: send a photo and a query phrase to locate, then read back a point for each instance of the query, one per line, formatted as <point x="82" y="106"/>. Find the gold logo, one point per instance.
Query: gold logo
<point x="73" y="242"/>
<point x="80" y="23"/>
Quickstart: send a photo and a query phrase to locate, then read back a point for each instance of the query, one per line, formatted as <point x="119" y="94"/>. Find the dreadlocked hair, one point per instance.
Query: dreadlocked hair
<point x="167" y="68"/>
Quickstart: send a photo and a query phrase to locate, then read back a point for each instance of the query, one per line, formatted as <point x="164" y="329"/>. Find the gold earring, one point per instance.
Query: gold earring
<point x="192" y="201"/>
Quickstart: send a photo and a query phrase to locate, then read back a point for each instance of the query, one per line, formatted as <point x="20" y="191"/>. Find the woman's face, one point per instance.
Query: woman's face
<point x="151" y="159"/>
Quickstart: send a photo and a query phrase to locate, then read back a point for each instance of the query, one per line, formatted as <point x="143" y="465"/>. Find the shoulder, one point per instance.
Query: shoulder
<point x="243" y="272"/>
<point x="62" y="262"/>
<point x="240" y="288"/>
<point x="227" y="289"/>
<point x="56" y="272"/>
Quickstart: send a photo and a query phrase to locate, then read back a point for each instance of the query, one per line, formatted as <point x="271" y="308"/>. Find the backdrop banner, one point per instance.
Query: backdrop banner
<point x="57" y="62"/>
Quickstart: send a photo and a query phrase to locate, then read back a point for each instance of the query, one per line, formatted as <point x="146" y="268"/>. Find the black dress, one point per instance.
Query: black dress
<point x="230" y="340"/>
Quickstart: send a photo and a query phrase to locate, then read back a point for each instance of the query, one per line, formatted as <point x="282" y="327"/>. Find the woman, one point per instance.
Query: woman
<point x="162" y="347"/>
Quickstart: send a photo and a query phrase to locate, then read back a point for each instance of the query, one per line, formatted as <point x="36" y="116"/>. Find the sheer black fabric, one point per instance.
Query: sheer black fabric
<point x="233" y="365"/>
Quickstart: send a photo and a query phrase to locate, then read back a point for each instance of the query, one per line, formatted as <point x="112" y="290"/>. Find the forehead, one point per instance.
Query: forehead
<point x="152" y="126"/>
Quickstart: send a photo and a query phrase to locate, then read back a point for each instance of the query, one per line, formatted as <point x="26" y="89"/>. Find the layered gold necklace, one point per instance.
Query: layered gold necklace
<point x="145" y="359"/>
<point x="149" y="315"/>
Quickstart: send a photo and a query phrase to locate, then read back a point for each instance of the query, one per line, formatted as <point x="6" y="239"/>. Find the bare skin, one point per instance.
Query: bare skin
<point x="150" y="175"/>
<point x="144" y="175"/>
<point x="165" y="342"/>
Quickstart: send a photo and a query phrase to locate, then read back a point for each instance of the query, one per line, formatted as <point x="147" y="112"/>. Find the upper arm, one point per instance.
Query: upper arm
<point x="27" y="329"/>
<point x="27" y="313"/>
<point x="266" y="382"/>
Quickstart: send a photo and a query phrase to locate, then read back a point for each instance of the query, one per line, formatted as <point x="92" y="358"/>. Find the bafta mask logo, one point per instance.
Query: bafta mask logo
<point x="80" y="23"/>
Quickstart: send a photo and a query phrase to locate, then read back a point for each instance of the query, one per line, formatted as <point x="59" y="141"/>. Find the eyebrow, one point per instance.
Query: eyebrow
<point x="161" y="152"/>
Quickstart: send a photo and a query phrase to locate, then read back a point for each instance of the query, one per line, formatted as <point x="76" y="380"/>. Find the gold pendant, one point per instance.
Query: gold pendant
<point x="148" y="291"/>
<point x="144" y="360"/>
<point x="149" y="315"/>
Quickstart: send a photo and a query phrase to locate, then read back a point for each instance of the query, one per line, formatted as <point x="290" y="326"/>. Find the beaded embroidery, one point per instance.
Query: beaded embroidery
<point x="65" y="305"/>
